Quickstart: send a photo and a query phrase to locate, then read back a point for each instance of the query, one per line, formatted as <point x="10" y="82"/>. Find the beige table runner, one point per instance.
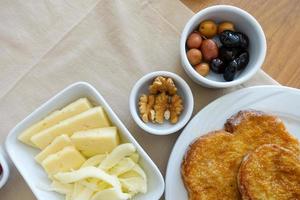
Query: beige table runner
<point x="47" y="45"/>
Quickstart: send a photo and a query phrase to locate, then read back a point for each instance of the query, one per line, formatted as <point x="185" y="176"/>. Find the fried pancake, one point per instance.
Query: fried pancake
<point x="211" y="164"/>
<point x="270" y="172"/>
<point x="257" y="128"/>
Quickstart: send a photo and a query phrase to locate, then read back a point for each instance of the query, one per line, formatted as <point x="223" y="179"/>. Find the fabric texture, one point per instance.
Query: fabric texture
<point x="47" y="45"/>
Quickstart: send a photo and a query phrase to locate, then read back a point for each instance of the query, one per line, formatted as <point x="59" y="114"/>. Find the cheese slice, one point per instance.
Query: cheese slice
<point x="90" y="119"/>
<point x="134" y="181"/>
<point x="87" y="172"/>
<point x="68" y="196"/>
<point x="139" y="171"/>
<point x="134" y="184"/>
<point x="136" y="171"/>
<point x="85" y="194"/>
<point x="125" y="165"/>
<point x="94" y="161"/>
<point x="103" y="185"/>
<point x="77" y="189"/>
<point x="61" y="187"/>
<point x="96" y="141"/>
<point x="111" y="194"/>
<point x="70" y="110"/>
<point x="117" y="155"/>
<point x="66" y="159"/>
<point x="135" y="157"/>
<point x="90" y="183"/>
<point x="58" y="144"/>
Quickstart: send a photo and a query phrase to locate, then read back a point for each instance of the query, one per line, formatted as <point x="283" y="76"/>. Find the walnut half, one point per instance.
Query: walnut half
<point x="175" y="108"/>
<point x="162" y="84"/>
<point x="146" y="104"/>
<point x="160" y="106"/>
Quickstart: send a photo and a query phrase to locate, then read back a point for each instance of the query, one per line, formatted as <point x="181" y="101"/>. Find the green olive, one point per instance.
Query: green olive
<point x="202" y="69"/>
<point x="225" y="26"/>
<point x="208" y="28"/>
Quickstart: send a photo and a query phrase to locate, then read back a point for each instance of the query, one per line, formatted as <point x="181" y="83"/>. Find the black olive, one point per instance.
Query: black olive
<point x="242" y="60"/>
<point x="230" y="39"/>
<point x="216" y="39"/>
<point x="230" y="71"/>
<point x="244" y="40"/>
<point x="217" y="65"/>
<point x="229" y="54"/>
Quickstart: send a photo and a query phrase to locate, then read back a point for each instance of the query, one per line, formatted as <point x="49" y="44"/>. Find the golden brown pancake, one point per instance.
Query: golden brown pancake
<point x="211" y="164"/>
<point x="270" y="172"/>
<point x="256" y="128"/>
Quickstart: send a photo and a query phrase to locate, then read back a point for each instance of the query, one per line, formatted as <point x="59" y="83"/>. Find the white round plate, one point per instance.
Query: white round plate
<point x="281" y="101"/>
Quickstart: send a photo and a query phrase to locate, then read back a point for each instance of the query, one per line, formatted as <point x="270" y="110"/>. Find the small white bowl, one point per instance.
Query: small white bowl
<point x="244" y="22"/>
<point x="5" y="168"/>
<point x="141" y="87"/>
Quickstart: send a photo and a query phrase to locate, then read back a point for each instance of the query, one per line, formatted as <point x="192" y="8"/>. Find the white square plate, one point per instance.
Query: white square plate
<point x="283" y="102"/>
<point x="23" y="155"/>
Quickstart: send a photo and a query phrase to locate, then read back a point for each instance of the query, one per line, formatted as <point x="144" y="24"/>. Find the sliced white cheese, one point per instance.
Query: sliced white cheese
<point x="129" y="174"/>
<point x="68" y="196"/>
<point x="139" y="171"/>
<point x="134" y="172"/>
<point x="61" y="187"/>
<point x="134" y="181"/>
<point x="91" y="184"/>
<point x="90" y="119"/>
<point x="134" y="184"/>
<point x="117" y="155"/>
<point x="125" y="165"/>
<point x="103" y="185"/>
<point x="58" y="144"/>
<point x="110" y="194"/>
<point x="135" y="157"/>
<point x="77" y="189"/>
<point x="96" y="141"/>
<point x="64" y="160"/>
<point x="85" y="194"/>
<point x="93" y="161"/>
<point x="70" y="110"/>
<point x="87" y="172"/>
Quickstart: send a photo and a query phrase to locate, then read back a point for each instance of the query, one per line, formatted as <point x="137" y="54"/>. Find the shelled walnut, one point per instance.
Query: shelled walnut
<point x="162" y="84"/>
<point x="146" y="104"/>
<point x="162" y="104"/>
<point x="176" y="108"/>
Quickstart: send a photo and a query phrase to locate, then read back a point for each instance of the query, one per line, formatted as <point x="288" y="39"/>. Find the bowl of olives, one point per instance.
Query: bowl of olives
<point x="222" y="46"/>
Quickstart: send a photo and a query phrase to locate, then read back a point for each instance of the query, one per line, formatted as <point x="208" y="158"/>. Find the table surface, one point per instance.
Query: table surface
<point x="280" y="21"/>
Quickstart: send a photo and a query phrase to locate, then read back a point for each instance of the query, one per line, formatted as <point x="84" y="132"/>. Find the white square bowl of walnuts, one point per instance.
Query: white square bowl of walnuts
<point x="161" y="103"/>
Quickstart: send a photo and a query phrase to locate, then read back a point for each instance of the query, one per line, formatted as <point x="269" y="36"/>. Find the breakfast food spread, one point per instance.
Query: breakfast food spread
<point x="162" y="104"/>
<point x="270" y="172"/>
<point x="83" y="156"/>
<point x="211" y="164"/>
<point x="219" y="46"/>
